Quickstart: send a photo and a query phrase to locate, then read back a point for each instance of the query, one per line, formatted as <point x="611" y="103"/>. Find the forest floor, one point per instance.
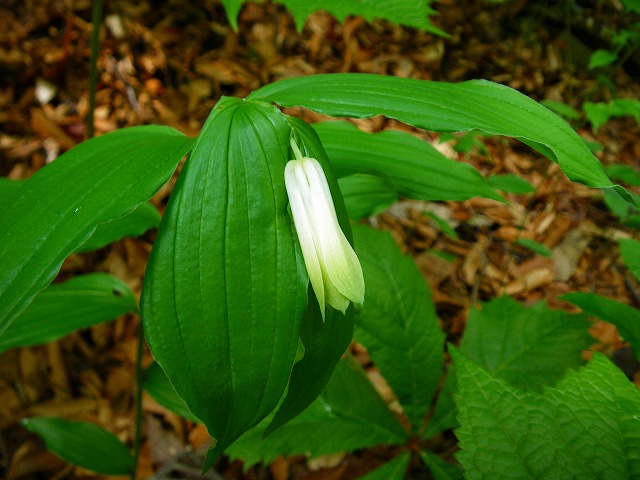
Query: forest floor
<point x="169" y="62"/>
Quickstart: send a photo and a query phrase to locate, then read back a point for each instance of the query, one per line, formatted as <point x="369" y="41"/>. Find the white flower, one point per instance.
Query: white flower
<point x="333" y="267"/>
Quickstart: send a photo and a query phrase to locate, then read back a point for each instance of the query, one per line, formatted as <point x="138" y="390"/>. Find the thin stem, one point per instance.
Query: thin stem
<point x="138" y="400"/>
<point x="296" y="151"/>
<point x="96" y="18"/>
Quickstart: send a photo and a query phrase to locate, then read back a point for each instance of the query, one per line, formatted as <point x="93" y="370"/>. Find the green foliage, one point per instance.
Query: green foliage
<point x="586" y="427"/>
<point x="528" y="347"/>
<point x="366" y="194"/>
<point x="62" y="308"/>
<point x="630" y="252"/>
<point x="398" y="324"/>
<point x="624" y="173"/>
<point x="627" y="214"/>
<point x="104" y="178"/>
<point x="156" y="383"/>
<point x="411" y="13"/>
<point x="561" y="108"/>
<point x="394" y="469"/>
<point x="417" y="169"/>
<point x="84" y="444"/>
<point x="534" y="246"/>
<point x="510" y="183"/>
<point x="600" y="113"/>
<point x="476" y="104"/>
<point x="602" y="58"/>
<point x="440" y="469"/>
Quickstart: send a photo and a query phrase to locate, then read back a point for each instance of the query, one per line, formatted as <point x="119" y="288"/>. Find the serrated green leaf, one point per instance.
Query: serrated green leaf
<point x="65" y="307"/>
<point x="445" y="107"/>
<point x="624" y="173"/>
<point x="418" y="170"/>
<point x="324" y="341"/>
<point x="157" y="384"/>
<point x="398" y="324"/>
<point x="224" y="293"/>
<point x="535" y="247"/>
<point x="510" y="183"/>
<point x="529" y="347"/>
<point x="630" y="252"/>
<point x="84" y="444"/>
<point x="440" y="469"/>
<point x="601" y="58"/>
<point x="624" y="317"/>
<point x="394" y="469"/>
<point x="366" y="195"/>
<point x="411" y="13"/>
<point x="144" y="217"/>
<point x="104" y="178"/>
<point x="586" y="427"/>
<point x="347" y="416"/>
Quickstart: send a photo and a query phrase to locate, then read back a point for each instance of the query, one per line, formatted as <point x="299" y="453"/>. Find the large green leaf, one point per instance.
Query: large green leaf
<point x="8" y="189"/>
<point x="58" y="208"/>
<point x="624" y="317"/>
<point x="144" y="217"/>
<point x="348" y="415"/>
<point x="586" y="427"/>
<point x="630" y="252"/>
<point x="398" y="324"/>
<point x="324" y="341"/>
<point x="157" y="384"/>
<point x="445" y="107"/>
<point x="412" y="13"/>
<point x="394" y="469"/>
<point x="366" y="195"/>
<point x="529" y="347"/>
<point x="84" y="444"/>
<point x="224" y="292"/>
<point x="418" y="170"/>
<point x="65" y="307"/>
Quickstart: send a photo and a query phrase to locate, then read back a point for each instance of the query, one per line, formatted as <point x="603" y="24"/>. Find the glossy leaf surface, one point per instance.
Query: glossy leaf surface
<point x="157" y="384"/>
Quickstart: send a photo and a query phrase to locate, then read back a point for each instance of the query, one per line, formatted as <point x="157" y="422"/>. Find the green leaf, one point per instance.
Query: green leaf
<point x="8" y="189"/>
<point x="224" y="293"/>
<point x="349" y="415"/>
<point x="601" y="58"/>
<point x="443" y="225"/>
<point x="632" y="5"/>
<point x="157" y="384"/>
<point x="624" y="317"/>
<point x="58" y="208"/>
<point x="599" y="113"/>
<point x="324" y="342"/>
<point x="534" y="246"/>
<point x="418" y="170"/>
<point x="62" y="308"/>
<point x="394" y="469"/>
<point x="440" y="469"/>
<point x="510" y="183"/>
<point x="561" y="108"/>
<point x="586" y="427"/>
<point x="630" y="252"/>
<point x="366" y="195"/>
<point x="528" y="347"/>
<point x="444" y="107"/>
<point x="624" y="173"/>
<point x="398" y="324"/>
<point x="144" y="217"/>
<point x="444" y="414"/>
<point x="626" y="213"/>
<point x="411" y="13"/>
<point x="84" y="444"/>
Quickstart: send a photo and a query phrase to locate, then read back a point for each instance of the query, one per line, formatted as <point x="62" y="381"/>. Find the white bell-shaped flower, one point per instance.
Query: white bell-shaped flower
<point x="333" y="266"/>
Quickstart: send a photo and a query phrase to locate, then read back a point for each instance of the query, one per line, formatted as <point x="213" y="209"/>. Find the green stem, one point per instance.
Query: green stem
<point x="296" y="151"/>
<point x="96" y="18"/>
<point x="138" y="401"/>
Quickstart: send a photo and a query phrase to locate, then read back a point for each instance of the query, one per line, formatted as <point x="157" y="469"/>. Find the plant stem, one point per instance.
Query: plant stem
<point x="96" y="18"/>
<point x="138" y="400"/>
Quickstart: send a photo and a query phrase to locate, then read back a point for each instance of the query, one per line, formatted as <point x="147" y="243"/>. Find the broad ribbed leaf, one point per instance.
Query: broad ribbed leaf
<point x="366" y="195"/>
<point x="529" y="347"/>
<point x="65" y="307"/>
<point x="224" y="293"/>
<point x="84" y="444"/>
<point x="586" y="427"/>
<point x="412" y="13"/>
<point x="349" y="415"/>
<point x="398" y="324"/>
<point x="8" y="189"/>
<point x="624" y="317"/>
<point x="144" y="217"/>
<point x="630" y="252"/>
<point x="394" y="469"/>
<point x="324" y="341"/>
<point x="445" y="107"/>
<point x="58" y="208"/>
<point x="418" y="170"/>
<point x="156" y="383"/>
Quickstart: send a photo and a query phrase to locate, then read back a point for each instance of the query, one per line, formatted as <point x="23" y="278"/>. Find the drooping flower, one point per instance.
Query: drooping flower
<point x="332" y="264"/>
